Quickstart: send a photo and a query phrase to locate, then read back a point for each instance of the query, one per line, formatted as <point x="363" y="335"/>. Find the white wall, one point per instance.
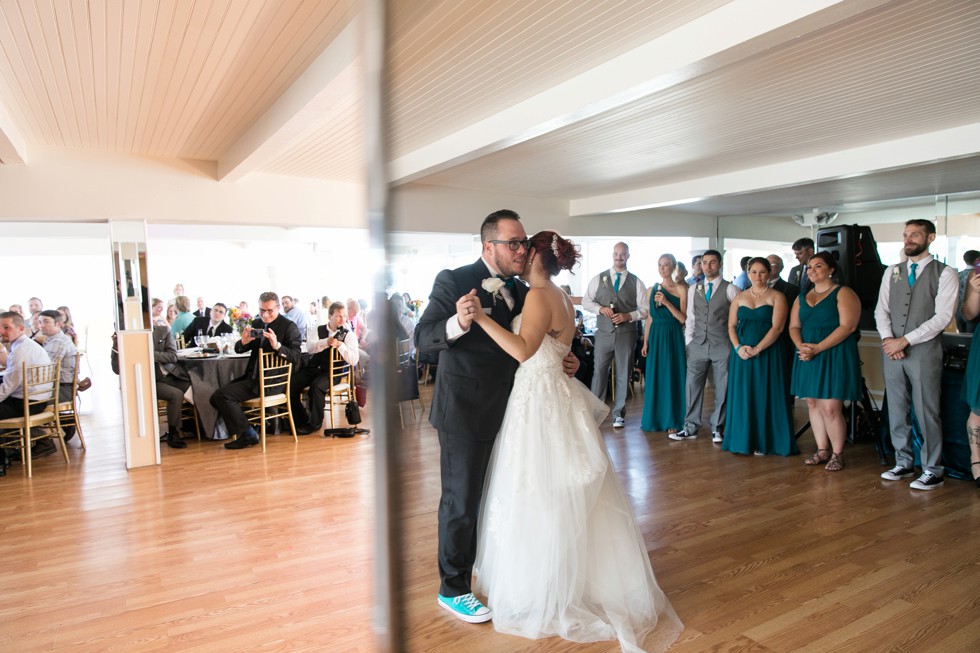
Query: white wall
<point x="75" y="185"/>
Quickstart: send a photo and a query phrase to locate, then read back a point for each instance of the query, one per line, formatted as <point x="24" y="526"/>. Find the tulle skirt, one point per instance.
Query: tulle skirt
<point x="559" y="551"/>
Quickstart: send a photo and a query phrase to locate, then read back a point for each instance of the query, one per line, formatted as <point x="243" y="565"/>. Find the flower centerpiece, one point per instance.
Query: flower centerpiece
<point x="240" y="320"/>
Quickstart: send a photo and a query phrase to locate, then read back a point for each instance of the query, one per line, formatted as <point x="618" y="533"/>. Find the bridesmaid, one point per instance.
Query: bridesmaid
<point x="827" y="371"/>
<point x="664" y="398"/>
<point x="758" y="418"/>
<point x="971" y="309"/>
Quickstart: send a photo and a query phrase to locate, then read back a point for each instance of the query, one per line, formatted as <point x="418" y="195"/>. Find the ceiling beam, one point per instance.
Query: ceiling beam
<point x="13" y="147"/>
<point x="913" y="150"/>
<point x="734" y="32"/>
<point x="295" y="112"/>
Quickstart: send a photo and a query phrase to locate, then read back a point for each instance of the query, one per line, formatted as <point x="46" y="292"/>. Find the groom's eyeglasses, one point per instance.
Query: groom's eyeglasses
<point x="513" y="245"/>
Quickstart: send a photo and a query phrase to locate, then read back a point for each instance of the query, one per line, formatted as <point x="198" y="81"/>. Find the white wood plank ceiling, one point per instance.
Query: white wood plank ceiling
<point x="611" y="105"/>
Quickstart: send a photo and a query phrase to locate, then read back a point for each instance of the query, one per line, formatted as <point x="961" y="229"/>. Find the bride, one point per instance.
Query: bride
<point x="559" y="553"/>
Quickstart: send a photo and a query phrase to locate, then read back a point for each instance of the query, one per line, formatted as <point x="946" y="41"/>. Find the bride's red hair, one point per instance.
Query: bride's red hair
<point x="556" y="253"/>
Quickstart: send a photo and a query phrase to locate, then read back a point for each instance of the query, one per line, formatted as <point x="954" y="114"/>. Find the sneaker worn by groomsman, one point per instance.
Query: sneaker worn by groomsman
<point x="682" y="435"/>
<point x="716" y="437"/>
<point x="897" y="473"/>
<point x="928" y="481"/>
<point x="619" y="423"/>
<point x="466" y="607"/>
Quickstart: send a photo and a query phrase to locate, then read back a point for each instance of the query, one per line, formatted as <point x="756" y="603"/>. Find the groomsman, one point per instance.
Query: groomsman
<point x="708" y="345"/>
<point x="916" y="302"/>
<point x="616" y="297"/>
<point x="472" y="388"/>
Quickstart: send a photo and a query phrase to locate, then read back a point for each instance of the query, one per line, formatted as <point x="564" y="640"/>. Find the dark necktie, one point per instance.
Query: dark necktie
<point x="511" y="284"/>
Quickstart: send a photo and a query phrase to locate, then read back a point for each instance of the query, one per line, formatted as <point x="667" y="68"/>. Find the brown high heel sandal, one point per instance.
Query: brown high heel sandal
<point x="835" y="463"/>
<point x="817" y="458"/>
<point x="977" y="479"/>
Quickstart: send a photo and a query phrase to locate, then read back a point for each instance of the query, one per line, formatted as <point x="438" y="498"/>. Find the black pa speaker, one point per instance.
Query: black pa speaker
<point x="854" y="248"/>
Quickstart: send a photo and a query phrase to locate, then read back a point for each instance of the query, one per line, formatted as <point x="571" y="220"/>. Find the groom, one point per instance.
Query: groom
<point x="473" y="382"/>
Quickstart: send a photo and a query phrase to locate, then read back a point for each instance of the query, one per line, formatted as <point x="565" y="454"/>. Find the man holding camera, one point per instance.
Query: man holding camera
<point x="334" y="335"/>
<point x="270" y="332"/>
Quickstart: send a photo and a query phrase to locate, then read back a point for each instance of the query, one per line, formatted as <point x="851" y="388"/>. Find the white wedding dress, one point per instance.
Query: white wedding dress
<point x="559" y="552"/>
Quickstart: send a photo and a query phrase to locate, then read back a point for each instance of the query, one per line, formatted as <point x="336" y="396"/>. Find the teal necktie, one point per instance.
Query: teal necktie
<point x="912" y="273"/>
<point x="707" y="292"/>
<point x="616" y="285"/>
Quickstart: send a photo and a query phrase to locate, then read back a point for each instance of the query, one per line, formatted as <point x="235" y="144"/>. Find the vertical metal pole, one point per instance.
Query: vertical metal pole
<point x="386" y="617"/>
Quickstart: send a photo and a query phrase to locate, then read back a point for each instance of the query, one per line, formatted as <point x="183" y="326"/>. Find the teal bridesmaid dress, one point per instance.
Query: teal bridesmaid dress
<point x="758" y="417"/>
<point x="972" y="385"/>
<point x="664" y="397"/>
<point x="832" y="374"/>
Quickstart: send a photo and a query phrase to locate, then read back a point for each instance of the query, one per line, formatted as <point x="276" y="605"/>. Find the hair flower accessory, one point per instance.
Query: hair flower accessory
<point x="493" y="285"/>
<point x="554" y="245"/>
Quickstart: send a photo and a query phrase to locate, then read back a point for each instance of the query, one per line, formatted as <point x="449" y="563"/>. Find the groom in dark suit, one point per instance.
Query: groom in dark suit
<point x="473" y="382"/>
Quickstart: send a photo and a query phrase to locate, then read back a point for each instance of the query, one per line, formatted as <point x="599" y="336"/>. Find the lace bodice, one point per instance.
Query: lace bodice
<point x="548" y="356"/>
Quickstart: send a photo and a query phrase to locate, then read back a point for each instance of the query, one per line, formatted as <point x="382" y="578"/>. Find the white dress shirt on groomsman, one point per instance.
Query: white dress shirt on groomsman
<point x="616" y="297"/>
<point x="708" y="346"/>
<point x="916" y="302"/>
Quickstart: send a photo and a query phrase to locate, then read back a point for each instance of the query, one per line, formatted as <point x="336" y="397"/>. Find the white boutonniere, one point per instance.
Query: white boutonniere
<point x="896" y="273"/>
<point x="493" y="285"/>
<point x="700" y="288"/>
<point x="605" y="280"/>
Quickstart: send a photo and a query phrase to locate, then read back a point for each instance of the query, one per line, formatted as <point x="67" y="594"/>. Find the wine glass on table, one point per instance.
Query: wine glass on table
<point x="200" y="339"/>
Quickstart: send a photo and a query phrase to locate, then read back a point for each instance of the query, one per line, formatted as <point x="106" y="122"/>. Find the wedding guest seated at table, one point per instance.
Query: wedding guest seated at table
<point x="211" y="326"/>
<point x="270" y="332"/>
<point x="35" y="306"/>
<point x="172" y="382"/>
<point x="67" y="324"/>
<point x="59" y="347"/>
<point x="184" y="315"/>
<point x="316" y="375"/>
<point x="19" y="350"/>
<point x="294" y="311"/>
<point x="171" y="315"/>
<point x="157" y="317"/>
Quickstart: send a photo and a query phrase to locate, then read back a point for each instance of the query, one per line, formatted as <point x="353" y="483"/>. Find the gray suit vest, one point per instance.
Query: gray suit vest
<point x="711" y="317"/>
<point x="623" y="302"/>
<point x="908" y="306"/>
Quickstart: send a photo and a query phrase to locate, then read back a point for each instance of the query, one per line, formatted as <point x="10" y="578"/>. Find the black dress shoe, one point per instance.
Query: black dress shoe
<point x="306" y="429"/>
<point x="174" y="440"/>
<point x="243" y="442"/>
<point x="42" y="448"/>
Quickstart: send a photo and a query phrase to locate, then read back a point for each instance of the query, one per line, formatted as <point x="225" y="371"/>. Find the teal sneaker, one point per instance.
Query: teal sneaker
<point x="466" y="607"/>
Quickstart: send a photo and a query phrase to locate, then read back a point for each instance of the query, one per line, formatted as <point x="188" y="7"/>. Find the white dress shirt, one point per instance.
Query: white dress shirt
<point x="348" y="346"/>
<point x="453" y="330"/>
<point x="589" y="303"/>
<point x="22" y="350"/>
<point x="945" y="305"/>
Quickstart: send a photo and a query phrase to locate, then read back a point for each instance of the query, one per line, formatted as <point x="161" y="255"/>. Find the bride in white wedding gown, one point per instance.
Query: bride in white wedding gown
<point x="559" y="552"/>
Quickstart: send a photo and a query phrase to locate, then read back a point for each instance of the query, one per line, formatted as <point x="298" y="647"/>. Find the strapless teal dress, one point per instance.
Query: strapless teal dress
<point x="758" y="417"/>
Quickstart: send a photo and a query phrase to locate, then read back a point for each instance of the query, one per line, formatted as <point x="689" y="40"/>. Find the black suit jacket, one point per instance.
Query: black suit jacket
<point x="790" y="291"/>
<point x="794" y="279"/>
<point x="203" y="313"/>
<point x="203" y="323"/>
<point x="289" y="337"/>
<point x="475" y="375"/>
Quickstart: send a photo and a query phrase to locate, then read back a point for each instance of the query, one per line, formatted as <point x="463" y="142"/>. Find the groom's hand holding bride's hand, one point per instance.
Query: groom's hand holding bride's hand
<point x="468" y="309"/>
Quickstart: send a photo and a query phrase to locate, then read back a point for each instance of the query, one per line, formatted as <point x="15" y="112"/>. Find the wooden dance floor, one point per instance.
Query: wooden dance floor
<point x="221" y="550"/>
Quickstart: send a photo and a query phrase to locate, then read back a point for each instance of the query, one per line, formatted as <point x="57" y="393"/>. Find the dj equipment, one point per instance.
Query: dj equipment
<point x="854" y="248"/>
